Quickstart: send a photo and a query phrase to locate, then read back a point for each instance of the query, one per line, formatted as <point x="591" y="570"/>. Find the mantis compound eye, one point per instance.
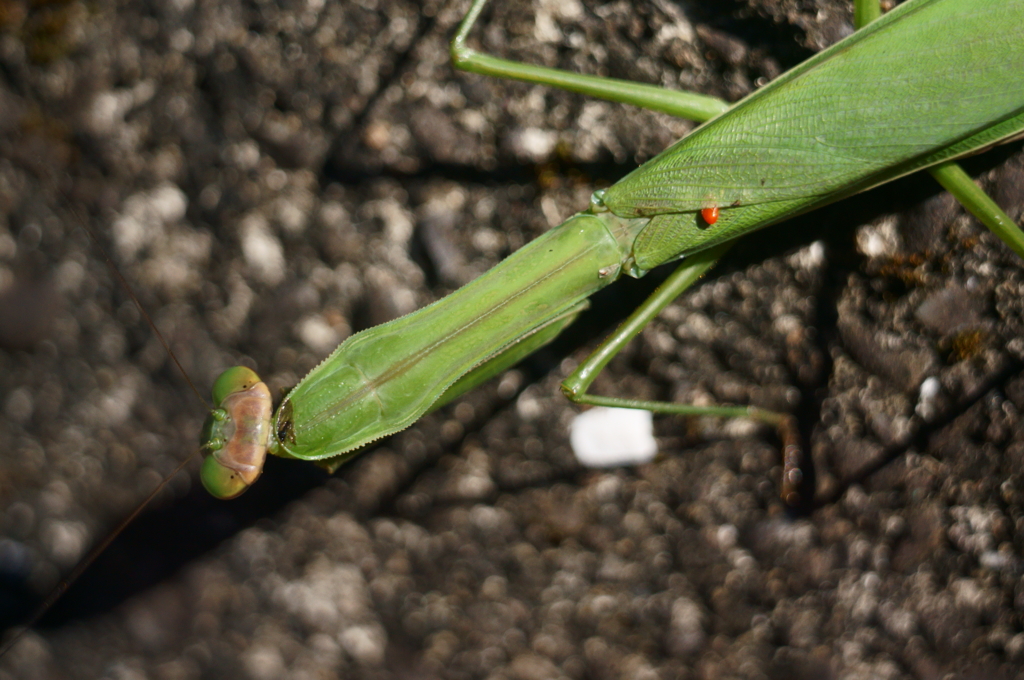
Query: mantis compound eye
<point x="236" y="433"/>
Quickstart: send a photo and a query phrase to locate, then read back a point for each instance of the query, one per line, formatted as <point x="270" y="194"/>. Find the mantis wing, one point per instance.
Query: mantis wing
<point x="822" y="131"/>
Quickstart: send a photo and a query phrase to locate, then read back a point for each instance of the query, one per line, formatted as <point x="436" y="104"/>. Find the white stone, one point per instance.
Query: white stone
<point x="610" y="437"/>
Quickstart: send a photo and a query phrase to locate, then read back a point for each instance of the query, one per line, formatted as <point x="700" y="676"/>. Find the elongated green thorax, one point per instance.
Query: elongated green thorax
<point x="381" y="380"/>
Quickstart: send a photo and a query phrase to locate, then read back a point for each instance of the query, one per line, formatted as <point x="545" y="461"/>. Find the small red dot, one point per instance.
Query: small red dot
<point x="710" y="215"/>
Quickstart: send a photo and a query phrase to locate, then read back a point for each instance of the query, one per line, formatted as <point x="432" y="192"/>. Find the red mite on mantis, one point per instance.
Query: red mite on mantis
<point x="709" y="215"/>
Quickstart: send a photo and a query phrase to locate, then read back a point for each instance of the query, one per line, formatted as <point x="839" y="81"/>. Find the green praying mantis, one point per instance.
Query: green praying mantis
<point x="827" y="129"/>
<point x="705" y="204"/>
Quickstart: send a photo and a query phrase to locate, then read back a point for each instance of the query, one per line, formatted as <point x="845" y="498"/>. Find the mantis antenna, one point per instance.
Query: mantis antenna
<point x="80" y="568"/>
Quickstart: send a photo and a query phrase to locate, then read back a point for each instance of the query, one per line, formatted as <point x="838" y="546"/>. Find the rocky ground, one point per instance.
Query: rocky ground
<point x="270" y="178"/>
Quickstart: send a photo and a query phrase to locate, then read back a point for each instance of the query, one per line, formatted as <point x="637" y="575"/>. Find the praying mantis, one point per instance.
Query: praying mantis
<point x="750" y="462"/>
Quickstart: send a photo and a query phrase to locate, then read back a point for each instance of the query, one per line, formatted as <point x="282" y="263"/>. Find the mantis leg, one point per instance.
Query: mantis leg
<point x="957" y="182"/>
<point x="673" y="102"/>
<point x="686" y="274"/>
<point x="866" y="11"/>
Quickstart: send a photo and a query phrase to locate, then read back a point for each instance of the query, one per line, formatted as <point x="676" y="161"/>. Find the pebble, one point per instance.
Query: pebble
<point x="610" y="437"/>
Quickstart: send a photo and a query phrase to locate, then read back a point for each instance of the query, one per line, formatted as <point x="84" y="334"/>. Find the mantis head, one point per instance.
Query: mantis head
<point x="236" y="433"/>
